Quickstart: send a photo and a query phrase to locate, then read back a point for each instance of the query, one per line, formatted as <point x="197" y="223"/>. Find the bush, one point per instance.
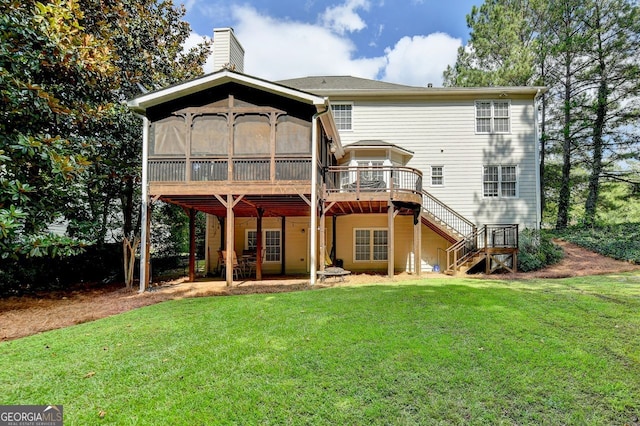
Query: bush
<point x="28" y="275"/>
<point x="536" y="250"/>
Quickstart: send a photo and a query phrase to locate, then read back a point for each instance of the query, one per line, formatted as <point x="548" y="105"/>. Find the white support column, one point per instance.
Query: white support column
<point x="145" y="219"/>
<point x="313" y="244"/>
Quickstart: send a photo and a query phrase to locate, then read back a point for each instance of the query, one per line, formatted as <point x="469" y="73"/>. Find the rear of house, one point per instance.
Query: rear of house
<point x="372" y="176"/>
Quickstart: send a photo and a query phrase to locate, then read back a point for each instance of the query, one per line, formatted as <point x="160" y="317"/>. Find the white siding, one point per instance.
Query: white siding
<point x="442" y="133"/>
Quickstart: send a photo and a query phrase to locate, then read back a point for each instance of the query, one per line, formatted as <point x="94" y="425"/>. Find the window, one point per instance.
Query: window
<point x="493" y="117"/>
<point x="270" y="240"/>
<point x="370" y="245"/>
<point x="342" y="116"/>
<point x="500" y="181"/>
<point x="437" y="175"/>
<point x="374" y="172"/>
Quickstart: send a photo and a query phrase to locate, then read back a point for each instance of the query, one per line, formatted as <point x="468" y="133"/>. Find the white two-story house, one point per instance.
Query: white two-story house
<point x="368" y="175"/>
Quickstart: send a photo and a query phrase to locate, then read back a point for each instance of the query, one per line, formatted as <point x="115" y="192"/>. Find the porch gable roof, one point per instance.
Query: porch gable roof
<point x="141" y="103"/>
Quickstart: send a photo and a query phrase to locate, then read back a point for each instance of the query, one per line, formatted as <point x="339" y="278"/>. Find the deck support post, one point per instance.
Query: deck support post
<point x="390" y="240"/>
<point x="145" y="212"/>
<point x="334" y="234"/>
<point x="229" y="239"/>
<point x="313" y="222"/>
<point x="283" y="243"/>
<point x="259" y="244"/>
<point x="417" y="244"/>
<point x="323" y="239"/>
<point x="192" y="245"/>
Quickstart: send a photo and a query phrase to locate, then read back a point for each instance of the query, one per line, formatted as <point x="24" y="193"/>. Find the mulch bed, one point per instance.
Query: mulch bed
<point x="27" y="315"/>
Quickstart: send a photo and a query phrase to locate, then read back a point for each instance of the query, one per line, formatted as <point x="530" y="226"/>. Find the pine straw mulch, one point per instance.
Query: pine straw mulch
<point x="27" y="315"/>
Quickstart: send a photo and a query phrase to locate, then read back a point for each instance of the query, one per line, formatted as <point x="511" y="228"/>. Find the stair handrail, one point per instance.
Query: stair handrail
<point x="445" y="214"/>
<point x="465" y="248"/>
<point x="488" y="236"/>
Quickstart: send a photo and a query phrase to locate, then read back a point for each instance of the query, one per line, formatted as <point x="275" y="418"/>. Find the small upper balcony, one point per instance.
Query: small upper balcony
<point x="374" y="183"/>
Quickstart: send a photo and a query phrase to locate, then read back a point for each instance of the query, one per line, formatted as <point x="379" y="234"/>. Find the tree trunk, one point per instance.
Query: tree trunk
<point x="565" y="190"/>
<point x="598" y="131"/>
<point x="543" y="150"/>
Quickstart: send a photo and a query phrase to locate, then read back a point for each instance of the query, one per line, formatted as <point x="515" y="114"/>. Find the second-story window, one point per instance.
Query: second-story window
<point x="493" y="117"/>
<point x="437" y="175"/>
<point x="342" y="116"/>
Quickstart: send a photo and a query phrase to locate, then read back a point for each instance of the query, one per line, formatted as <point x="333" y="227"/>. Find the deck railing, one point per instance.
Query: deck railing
<point x="359" y="179"/>
<point x="217" y="169"/>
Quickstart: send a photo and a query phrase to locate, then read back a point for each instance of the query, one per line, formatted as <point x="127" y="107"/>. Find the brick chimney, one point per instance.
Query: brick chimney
<point x="227" y="51"/>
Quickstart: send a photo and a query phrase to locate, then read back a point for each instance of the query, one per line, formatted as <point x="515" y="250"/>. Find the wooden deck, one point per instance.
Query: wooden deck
<point x="267" y="184"/>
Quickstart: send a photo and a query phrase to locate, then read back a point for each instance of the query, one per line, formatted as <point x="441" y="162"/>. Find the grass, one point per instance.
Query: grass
<point x="451" y="351"/>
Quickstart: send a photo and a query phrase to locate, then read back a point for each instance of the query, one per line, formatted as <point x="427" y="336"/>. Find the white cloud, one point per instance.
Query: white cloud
<point x="278" y="49"/>
<point x="420" y="60"/>
<point x="286" y="49"/>
<point x="344" y="18"/>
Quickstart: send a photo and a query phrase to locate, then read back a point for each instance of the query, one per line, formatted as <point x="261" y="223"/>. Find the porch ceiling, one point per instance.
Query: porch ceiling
<point x="273" y="205"/>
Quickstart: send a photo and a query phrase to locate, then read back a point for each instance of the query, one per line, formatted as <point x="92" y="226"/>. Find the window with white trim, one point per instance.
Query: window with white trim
<point x="370" y="245"/>
<point x="493" y="117"/>
<point x="374" y="171"/>
<point x="500" y="181"/>
<point x="342" y="115"/>
<point x="437" y="175"/>
<point x="271" y="242"/>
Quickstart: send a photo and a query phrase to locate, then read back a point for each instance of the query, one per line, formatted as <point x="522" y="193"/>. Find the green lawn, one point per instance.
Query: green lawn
<point x="450" y="351"/>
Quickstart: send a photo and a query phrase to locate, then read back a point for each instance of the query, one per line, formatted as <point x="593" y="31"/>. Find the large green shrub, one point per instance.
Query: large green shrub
<point x="97" y="264"/>
<point x="536" y="250"/>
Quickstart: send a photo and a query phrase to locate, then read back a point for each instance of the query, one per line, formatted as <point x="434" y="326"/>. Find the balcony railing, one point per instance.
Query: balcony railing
<point x="217" y="169"/>
<point x="373" y="179"/>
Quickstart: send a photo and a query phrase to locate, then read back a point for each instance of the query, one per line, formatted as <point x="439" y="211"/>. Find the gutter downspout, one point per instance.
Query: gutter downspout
<point x="537" y="158"/>
<point x="314" y="195"/>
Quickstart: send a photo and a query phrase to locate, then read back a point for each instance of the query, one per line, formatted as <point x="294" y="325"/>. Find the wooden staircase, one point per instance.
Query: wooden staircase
<point x="495" y="245"/>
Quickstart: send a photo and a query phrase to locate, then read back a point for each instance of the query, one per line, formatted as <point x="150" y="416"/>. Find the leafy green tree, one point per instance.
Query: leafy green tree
<point x="148" y="40"/>
<point x="501" y="49"/>
<point x="54" y="80"/>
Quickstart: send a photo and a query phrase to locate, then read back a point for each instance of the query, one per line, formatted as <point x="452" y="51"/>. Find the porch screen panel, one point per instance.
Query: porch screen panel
<point x="168" y="137"/>
<point x="209" y="135"/>
<point x="293" y="136"/>
<point x="251" y="135"/>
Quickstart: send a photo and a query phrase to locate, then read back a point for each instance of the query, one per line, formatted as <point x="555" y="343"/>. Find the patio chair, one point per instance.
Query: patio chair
<point x="237" y="270"/>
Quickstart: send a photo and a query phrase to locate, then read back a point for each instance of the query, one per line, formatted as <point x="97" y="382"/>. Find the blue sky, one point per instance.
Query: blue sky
<point x="407" y="42"/>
